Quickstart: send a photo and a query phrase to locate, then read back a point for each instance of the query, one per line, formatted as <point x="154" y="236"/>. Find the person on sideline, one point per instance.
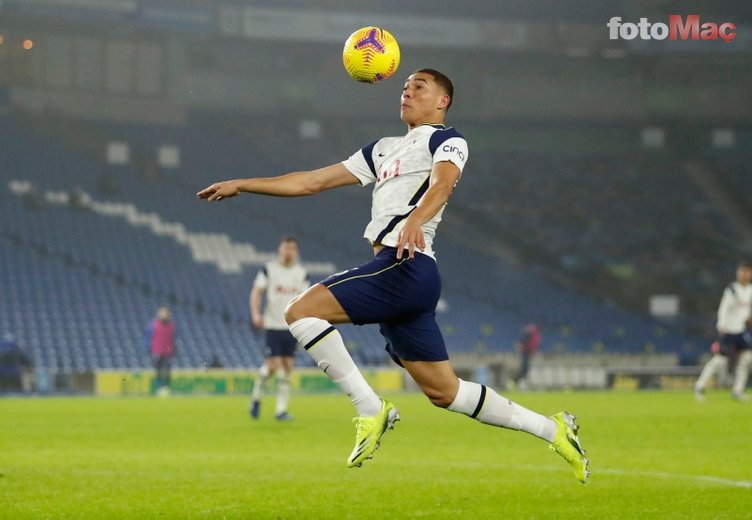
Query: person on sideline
<point x="414" y="176"/>
<point x="528" y="345"/>
<point x="734" y="339"/>
<point x="279" y="281"/>
<point x="160" y="341"/>
<point x="15" y="366"/>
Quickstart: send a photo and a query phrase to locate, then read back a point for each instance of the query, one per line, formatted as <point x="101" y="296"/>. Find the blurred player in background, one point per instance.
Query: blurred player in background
<point x="528" y="345"/>
<point x="734" y="339"/>
<point x="414" y="176"/>
<point x="280" y="280"/>
<point x="160" y="342"/>
<point x="15" y="366"/>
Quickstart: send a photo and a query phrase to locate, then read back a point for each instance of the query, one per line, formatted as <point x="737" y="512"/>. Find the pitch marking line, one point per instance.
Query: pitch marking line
<point x="707" y="479"/>
<point x="667" y="475"/>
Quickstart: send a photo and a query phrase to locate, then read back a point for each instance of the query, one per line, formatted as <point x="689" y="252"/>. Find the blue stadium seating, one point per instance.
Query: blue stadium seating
<point x="82" y="284"/>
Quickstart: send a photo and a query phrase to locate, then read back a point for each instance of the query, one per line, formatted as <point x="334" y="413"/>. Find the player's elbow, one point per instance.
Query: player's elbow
<point x="310" y="184"/>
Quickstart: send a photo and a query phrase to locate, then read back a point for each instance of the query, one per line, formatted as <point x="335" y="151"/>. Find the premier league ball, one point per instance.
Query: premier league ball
<point x="371" y="54"/>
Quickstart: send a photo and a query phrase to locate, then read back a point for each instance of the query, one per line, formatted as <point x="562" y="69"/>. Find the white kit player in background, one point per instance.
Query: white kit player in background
<point x="734" y="341"/>
<point x="279" y="281"/>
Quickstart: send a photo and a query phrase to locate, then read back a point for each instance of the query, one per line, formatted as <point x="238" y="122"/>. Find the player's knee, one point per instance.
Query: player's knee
<point x="438" y="397"/>
<point x="294" y="311"/>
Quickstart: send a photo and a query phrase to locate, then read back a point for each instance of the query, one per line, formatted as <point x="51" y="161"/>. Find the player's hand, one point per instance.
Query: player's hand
<point x="219" y="191"/>
<point x="257" y="322"/>
<point x="411" y="236"/>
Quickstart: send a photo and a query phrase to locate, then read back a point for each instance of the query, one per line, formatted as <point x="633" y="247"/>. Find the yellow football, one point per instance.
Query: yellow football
<point x="371" y="54"/>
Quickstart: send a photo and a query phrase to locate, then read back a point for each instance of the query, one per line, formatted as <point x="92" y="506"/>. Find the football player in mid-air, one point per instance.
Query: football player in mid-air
<point x="414" y="176"/>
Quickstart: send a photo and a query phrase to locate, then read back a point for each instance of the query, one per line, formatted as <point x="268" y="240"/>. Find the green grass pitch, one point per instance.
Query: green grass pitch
<point x="654" y="455"/>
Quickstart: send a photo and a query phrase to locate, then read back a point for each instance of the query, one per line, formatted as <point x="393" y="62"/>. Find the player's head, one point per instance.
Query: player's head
<point x="426" y="96"/>
<point x="163" y="314"/>
<point x="288" y="250"/>
<point x="744" y="272"/>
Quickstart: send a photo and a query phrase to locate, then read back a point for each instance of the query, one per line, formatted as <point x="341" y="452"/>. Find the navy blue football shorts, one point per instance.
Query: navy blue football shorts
<point x="401" y="296"/>
<point x="732" y="344"/>
<point x="280" y="343"/>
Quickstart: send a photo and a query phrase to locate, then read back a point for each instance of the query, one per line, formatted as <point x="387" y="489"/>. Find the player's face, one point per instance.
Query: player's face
<point x="744" y="275"/>
<point x="288" y="252"/>
<point x="422" y="101"/>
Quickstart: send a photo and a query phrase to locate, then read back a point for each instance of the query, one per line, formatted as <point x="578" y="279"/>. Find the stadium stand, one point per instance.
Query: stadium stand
<point x="92" y="249"/>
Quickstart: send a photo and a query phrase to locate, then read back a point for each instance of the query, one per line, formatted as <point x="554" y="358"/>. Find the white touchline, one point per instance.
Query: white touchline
<point x="668" y="475"/>
<point x="708" y="479"/>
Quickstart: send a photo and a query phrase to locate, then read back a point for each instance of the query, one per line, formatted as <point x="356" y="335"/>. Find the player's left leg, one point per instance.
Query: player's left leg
<point x="743" y="364"/>
<point x="265" y="371"/>
<point x="444" y="389"/>
<point x="283" y="388"/>
<point x="163" y="375"/>
<point x="716" y="365"/>
<point x="310" y="317"/>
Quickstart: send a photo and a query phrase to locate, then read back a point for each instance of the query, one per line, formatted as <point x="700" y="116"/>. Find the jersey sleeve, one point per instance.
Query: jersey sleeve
<point x="449" y="145"/>
<point x="361" y="164"/>
<point x="261" y="281"/>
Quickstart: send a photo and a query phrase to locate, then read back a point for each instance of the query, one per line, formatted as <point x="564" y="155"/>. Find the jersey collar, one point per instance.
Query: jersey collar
<point x="437" y="126"/>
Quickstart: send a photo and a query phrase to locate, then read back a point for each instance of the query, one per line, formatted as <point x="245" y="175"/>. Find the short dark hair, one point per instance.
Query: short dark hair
<point x="288" y="238"/>
<point x="744" y="264"/>
<point x="443" y="81"/>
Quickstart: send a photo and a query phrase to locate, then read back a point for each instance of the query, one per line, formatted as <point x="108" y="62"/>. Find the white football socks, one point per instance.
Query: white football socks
<point x="283" y="391"/>
<point x="716" y="365"/>
<point x="324" y="344"/>
<point x="258" y="385"/>
<point x="485" y="405"/>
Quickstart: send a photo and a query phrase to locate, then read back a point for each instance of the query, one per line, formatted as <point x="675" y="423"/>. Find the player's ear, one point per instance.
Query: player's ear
<point x="444" y="102"/>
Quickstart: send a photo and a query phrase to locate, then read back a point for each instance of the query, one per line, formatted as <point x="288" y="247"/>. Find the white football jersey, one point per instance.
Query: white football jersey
<point x="281" y="284"/>
<point x="734" y="310"/>
<point x="401" y="168"/>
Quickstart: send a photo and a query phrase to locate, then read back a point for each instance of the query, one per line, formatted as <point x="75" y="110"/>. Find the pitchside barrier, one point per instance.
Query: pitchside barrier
<point x="548" y="372"/>
<point x="579" y="371"/>
<point x="213" y="382"/>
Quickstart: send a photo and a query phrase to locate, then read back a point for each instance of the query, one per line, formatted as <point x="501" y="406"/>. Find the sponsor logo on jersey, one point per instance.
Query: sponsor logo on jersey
<point x="453" y="149"/>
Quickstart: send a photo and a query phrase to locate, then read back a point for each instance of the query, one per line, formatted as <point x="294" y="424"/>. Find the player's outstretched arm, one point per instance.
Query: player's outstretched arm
<point x="295" y="184"/>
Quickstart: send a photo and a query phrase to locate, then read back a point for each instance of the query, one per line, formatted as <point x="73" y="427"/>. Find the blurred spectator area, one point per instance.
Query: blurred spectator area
<point x="574" y="243"/>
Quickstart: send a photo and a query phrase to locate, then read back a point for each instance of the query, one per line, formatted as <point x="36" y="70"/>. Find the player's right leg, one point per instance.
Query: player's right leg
<point x="716" y="365"/>
<point x="266" y="370"/>
<point x="742" y="373"/>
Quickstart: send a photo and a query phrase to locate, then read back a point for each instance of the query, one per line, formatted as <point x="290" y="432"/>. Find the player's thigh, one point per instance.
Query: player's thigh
<point x="316" y="302"/>
<point x="436" y="379"/>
